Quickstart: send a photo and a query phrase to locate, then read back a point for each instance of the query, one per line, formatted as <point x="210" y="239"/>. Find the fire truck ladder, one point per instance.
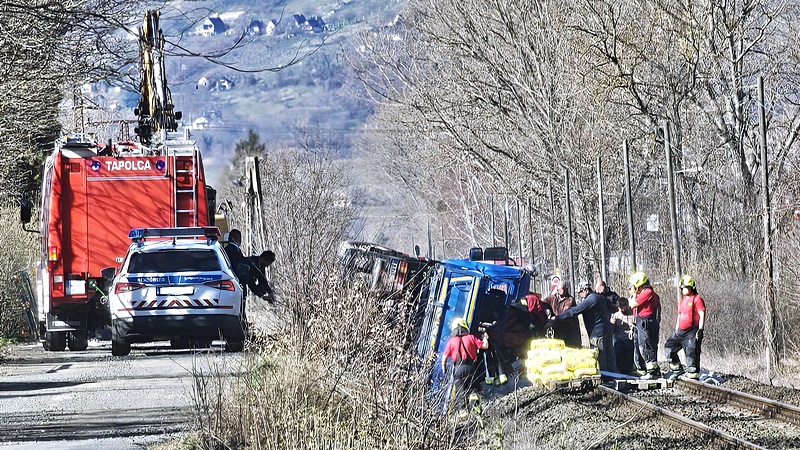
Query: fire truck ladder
<point x="185" y="191"/>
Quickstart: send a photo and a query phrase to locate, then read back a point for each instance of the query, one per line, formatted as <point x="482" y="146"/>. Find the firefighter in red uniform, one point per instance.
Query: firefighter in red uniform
<point x="647" y="309"/>
<point x="462" y="350"/>
<point x="688" y="333"/>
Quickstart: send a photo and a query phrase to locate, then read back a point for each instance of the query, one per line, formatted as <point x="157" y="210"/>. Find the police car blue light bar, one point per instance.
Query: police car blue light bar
<point x="137" y="234"/>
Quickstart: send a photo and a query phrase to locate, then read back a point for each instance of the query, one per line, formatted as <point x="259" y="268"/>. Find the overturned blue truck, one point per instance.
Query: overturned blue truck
<point x="485" y="290"/>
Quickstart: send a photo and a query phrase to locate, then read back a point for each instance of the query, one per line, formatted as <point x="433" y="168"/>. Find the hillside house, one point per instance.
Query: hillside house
<point x="200" y="123"/>
<point x="298" y="20"/>
<point x="223" y="84"/>
<point x="271" y="28"/>
<point x="212" y="26"/>
<point x="314" y="24"/>
<point x="256" y="27"/>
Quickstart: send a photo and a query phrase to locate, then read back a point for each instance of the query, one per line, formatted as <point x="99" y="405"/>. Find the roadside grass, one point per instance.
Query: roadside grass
<point x="5" y="347"/>
<point x="340" y="379"/>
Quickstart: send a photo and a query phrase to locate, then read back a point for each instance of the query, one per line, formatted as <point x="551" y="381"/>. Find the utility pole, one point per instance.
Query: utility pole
<point x="255" y="236"/>
<point x="555" y="228"/>
<point x="629" y="204"/>
<point x="673" y="216"/>
<point x="491" y="207"/>
<point x="519" y="233"/>
<point x="530" y="231"/>
<point x="769" y="287"/>
<point x="505" y="224"/>
<point x="602" y="221"/>
<point x="569" y="232"/>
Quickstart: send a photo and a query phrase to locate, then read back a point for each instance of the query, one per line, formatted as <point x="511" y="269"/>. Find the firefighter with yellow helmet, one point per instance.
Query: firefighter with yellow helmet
<point x="646" y="305"/>
<point x="462" y="350"/>
<point x="688" y="334"/>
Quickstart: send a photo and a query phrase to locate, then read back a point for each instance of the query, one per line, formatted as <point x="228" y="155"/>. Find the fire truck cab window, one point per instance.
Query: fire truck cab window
<point x="174" y="261"/>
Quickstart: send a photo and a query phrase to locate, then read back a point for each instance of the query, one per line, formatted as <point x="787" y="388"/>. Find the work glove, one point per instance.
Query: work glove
<point x="699" y="336"/>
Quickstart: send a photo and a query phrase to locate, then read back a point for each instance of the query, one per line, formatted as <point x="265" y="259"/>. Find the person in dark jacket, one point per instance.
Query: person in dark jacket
<point x="613" y="298"/>
<point x="597" y="321"/>
<point x="258" y="282"/>
<point x="248" y="273"/>
<point x="624" y="323"/>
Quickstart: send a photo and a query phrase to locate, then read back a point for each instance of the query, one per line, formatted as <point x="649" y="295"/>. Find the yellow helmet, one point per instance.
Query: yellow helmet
<point x="638" y="279"/>
<point x="458" y="322"/>
<point x="688" y="281"/>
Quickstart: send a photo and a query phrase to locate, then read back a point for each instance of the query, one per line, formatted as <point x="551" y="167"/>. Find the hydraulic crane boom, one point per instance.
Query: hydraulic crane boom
<point x="155" y="111"/>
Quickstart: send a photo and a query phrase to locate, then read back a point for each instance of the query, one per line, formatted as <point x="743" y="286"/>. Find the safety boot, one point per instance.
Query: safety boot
<point x="676" y="370"/>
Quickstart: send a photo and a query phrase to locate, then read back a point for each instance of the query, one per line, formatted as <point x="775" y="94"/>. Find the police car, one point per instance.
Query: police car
<point x="176" y="284"/>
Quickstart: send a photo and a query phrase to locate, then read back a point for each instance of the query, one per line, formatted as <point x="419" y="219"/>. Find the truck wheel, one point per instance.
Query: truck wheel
<point x="78" y="341"/>
<point x="56" y="341"/>
<point x="119" y="347"/>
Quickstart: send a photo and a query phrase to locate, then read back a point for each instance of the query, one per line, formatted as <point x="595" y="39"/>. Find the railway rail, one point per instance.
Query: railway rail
<point x="723" y="418"/>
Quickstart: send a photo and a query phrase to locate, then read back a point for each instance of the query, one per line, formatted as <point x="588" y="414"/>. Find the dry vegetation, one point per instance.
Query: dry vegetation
<point x="483" y="98"/>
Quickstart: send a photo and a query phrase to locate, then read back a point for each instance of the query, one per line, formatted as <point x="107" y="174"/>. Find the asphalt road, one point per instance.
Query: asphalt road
<point x="89" y="399"/>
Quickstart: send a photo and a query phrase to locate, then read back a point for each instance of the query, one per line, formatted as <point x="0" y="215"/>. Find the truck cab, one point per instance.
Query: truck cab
<point x="487" y="296"/>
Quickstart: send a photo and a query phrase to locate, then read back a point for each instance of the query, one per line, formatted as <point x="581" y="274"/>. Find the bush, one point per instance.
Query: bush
<point x="17" y="257"/>
<point x="346" y="384"/>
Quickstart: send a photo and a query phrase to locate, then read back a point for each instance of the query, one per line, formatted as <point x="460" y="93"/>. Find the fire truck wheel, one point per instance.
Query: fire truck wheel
<point x="78" y="341"/>
<point x="56" y="340"/>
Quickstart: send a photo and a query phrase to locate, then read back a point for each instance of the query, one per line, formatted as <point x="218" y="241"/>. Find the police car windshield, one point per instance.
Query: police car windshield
<point x="174" y="261"/>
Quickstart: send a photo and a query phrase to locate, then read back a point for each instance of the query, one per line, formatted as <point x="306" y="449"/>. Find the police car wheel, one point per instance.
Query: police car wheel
<point x="234" y="346"/>
<point x="180" y="343"/>
<point x="119" y="347"/>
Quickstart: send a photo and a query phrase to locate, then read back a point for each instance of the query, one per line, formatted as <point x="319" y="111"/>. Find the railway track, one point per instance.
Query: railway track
<point x="723" y="418"/>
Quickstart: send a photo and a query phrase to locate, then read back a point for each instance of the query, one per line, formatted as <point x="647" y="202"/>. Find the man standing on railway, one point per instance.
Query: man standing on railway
<point x="647" y="308"/>
<point x="597" y="321"/>
<point x="688" y="333"/>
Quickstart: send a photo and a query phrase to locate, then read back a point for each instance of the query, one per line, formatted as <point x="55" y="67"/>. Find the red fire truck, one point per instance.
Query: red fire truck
<point x="89" y="204"/>
<point x="92" y="195"/>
